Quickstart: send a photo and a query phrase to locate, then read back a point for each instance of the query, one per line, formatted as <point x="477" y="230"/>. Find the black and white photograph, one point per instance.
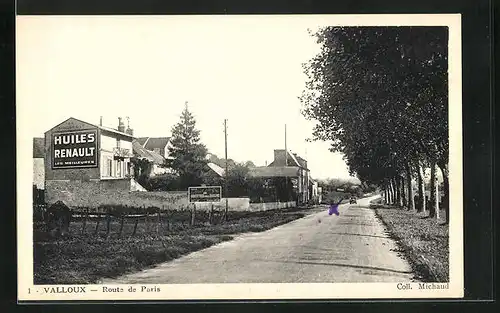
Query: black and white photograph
<point x="239" y="157"/>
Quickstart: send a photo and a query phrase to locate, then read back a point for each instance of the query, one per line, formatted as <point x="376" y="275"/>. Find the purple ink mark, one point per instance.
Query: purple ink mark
<point x="334" y="208"/>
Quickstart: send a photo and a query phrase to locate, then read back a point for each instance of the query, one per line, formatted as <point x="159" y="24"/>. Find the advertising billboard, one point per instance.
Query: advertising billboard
<point x="205" y="194"/>
<point x="75" y="149"/>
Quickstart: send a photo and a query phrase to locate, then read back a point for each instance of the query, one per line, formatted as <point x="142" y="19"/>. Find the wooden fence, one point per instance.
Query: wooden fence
<point x="127" y="219"/>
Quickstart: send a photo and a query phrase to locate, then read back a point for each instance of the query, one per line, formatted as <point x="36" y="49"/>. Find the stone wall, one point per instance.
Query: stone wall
<point x="94" y="193"/>
<point x="91" y="193"/>
<point x="39" y="173"/>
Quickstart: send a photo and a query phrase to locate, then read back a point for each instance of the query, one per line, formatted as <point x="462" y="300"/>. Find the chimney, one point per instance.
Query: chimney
<point x="121" y="126"/>
<point x="279" y="157"/>
<point x="129" y="130"/>
<point x="100" y="121"/>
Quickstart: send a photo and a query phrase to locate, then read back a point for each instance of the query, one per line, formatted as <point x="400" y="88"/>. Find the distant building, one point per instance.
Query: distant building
<point x="292" y="159"/>
<point x="158" y="166"/>
<point x="216" y="169"/>
<point x="291" y="166"/>
<point x="158" y="145"/>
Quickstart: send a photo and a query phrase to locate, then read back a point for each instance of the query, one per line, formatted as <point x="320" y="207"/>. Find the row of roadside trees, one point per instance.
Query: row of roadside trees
<point x="380" y="95"/>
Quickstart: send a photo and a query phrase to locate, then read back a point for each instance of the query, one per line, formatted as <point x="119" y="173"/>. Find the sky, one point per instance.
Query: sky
<point x="246" y="69"/>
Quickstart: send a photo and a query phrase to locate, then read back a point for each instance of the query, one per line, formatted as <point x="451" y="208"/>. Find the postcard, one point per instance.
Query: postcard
<point x="239" y="157"/>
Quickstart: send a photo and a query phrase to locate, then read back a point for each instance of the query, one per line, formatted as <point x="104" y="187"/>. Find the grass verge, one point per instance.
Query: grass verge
<point x="422" y="240"/>
<point x="83" y="258"/>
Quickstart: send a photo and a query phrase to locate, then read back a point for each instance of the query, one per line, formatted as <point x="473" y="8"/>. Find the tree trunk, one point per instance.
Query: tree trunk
<point x="394" y="191"/>
<point x="388" y="190"/>
<point x="421" y="189"/>
<point x="436" y="186"/>
<point x="446" y="191"/>
<point x="432" y="203"/>
<point x="403" y="192"/>
<point x="400" y="190"/>
<point x="397" y="191"/>
<point x="411" y="200"/>
<point x="393" y="187"/>
<point x="391" y="192"/>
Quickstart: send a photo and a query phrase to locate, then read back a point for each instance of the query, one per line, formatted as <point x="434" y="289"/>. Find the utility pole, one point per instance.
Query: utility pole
<point x="286" y="164"/>
<point x="286" y="151"/>
<point x="226" y="171"/>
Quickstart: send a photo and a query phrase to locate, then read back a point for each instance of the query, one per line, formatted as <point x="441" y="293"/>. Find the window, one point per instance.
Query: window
<point x="118" y="143"/>
<point x="109" y="167"/>
<point x="119" y="166"/>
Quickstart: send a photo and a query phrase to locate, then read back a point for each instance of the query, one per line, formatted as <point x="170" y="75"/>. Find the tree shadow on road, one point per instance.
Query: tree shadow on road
<point x="358" y="224"/>
<point x="362" y="235"/>
<point x="381" y="269"/>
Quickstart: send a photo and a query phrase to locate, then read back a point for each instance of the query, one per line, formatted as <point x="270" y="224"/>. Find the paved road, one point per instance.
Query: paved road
<point x="351" y="247"/>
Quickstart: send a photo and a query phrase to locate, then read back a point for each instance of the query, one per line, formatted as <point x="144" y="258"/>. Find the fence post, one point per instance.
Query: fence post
<point x="121" y="224"/>
<point x="147" y="221"/>
<point x="85" y="221"/>
<point x="108" y="223"/>
<point x="135" y="226"/>
<point x="97" y="224"/>
<point x="222" y="216"/>
<point x="192" y="214"/>
<point x="211" y="213"/>
<point x="168" y="219"/>
<point x="159" y="222"/>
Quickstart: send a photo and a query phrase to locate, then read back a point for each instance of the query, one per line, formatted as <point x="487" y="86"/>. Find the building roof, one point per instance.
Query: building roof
<point x="142" y="140"/>
<point x="112" y="130"/>
<point x="143" y="153"/>
<point x="301" y="161"/>
<point x="216" y="168"/>
<point x="291" y="160"/>
<point x="108" y="129"/>
<point x="38" y="147"/>
<point x="152" y="143"/>
<point x="274" y="171"/>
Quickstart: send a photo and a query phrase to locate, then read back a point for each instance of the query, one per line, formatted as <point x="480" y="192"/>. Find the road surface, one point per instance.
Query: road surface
<point x="319" y="248"/>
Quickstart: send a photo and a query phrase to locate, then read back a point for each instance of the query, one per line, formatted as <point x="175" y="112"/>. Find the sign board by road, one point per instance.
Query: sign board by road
<point x="205" y="194"/>
<point x="75" y="149"/>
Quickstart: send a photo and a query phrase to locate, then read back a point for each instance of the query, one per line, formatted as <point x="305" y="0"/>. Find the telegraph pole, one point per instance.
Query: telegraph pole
<point x="286" y="164"/>
<point x="286" y="151"/>
<point x="226" y="171"/>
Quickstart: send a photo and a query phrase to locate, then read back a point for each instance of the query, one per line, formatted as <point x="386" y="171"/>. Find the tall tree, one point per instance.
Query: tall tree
<point x="187" y="155"/>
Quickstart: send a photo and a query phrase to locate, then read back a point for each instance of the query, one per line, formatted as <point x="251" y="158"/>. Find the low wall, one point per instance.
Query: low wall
<point x="271" y="206"/>
<point x="243" y="204"/>
<point x="93" y="194"/>
<point x="234" y="204"/>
